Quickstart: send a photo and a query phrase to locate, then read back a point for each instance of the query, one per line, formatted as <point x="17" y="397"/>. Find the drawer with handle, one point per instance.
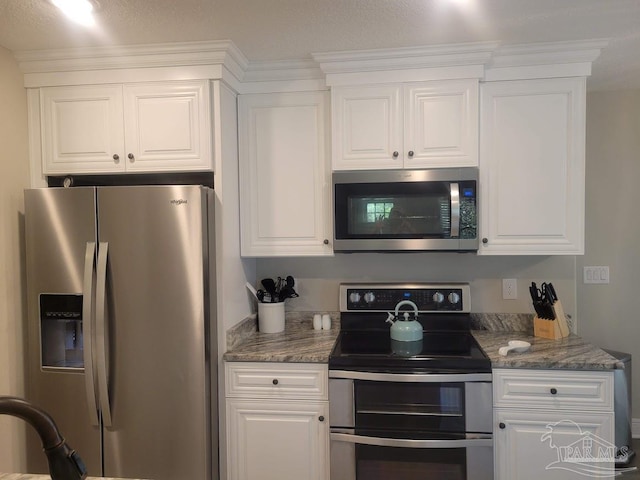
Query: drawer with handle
<point x="277" y="380"/>
<point x="560" y="389"/>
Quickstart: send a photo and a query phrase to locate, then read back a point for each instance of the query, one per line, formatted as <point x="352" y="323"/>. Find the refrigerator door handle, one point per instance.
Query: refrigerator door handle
<point x="101" y="333"/>
<point x="87" y="322"/>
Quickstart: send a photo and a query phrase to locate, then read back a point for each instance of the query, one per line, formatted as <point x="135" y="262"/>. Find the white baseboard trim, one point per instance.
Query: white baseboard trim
<point x="635" y="428"/>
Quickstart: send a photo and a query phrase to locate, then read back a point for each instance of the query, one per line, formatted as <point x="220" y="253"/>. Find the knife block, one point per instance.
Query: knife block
<point x="552" y="329"/>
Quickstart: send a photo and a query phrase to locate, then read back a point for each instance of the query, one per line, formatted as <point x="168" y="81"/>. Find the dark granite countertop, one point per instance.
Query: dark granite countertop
<point x="570" y="353"/>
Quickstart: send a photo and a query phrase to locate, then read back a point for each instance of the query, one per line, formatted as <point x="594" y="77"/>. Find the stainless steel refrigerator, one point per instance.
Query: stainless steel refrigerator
<point x="121" y="327"/>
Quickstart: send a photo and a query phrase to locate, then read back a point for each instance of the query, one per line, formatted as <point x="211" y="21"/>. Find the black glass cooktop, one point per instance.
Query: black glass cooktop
<point x="437" y="351"/>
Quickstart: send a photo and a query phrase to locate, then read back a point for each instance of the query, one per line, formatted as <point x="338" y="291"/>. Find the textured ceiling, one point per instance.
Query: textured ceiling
<point x="292" y="29"/>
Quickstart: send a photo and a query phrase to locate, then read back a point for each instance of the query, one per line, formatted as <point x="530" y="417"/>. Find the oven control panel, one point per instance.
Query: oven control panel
<point x="384" y="297"/>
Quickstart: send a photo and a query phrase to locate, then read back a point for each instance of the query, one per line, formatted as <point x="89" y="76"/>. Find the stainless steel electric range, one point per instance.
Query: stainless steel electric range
<point x="409" y="409"/>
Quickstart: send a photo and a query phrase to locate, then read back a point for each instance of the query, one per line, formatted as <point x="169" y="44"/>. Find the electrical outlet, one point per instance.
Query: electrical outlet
<point x="595" y="275"/>
<point x="509" y="289"/>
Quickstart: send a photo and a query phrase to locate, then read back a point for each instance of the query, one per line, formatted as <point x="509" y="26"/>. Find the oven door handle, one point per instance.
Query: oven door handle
<point x="412" y="377"/>
<point x="483" y="441"/>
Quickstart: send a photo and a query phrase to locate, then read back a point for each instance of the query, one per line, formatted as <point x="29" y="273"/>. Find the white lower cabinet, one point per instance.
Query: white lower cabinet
<point x="553" y="424"/>
<point x="277" y="421"/>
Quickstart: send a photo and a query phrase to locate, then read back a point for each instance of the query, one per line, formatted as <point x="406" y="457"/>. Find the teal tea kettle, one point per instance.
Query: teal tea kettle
<point x="405" y="330"/>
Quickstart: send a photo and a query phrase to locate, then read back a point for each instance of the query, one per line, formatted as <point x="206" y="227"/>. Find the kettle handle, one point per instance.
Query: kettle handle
<point x="406" y="302"/>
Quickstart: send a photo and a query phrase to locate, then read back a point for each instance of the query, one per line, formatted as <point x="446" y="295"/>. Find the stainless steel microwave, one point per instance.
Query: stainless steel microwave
<point x="406" y="210"/>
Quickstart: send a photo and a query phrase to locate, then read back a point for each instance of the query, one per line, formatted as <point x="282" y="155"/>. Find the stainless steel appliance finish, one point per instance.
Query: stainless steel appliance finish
<point x="138" y="401"/>
<point x="405" y="210"/>
<point x="453" y="436"/>
<point x="398" y="412"/>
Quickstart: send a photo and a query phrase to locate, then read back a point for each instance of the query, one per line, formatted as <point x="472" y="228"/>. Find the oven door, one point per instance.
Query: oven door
<point x="405" y="210"/>
<point x="359" y="457"/>
<point x="410" y="426"/>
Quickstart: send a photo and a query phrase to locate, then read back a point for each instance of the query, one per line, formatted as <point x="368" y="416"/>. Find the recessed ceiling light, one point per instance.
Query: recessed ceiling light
<point x="80" y="11"/>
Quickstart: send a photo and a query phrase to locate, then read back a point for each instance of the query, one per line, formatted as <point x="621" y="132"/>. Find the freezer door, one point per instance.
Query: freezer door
<point x="158" y="413"/>
<point x="59" y="223"/>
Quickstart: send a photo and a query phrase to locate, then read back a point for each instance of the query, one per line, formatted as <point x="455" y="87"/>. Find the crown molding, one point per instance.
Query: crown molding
<point x="547" y="53"/>
<point x="486" y="61"/>
<point x="284" y="70"/>
<point x="544" y="60"/>
<point x="450" y="55"/>
<point x="165" y="55"/>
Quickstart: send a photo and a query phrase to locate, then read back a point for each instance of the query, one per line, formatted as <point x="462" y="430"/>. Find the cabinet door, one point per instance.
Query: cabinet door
<point x="271" y="440"/>
<point x="82" y="129"/>
<point x="441" y="124"/>
<point x="532" y="167"/>
<point x="548" y="446"/>
<point x="284" y="179"/>
<point x="167" y="126"/>
<point x="367" y="127"/>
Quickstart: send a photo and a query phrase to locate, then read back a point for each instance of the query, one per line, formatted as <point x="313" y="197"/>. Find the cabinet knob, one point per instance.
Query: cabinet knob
<point x="116" y="158"/>
<point x="553" y="391"/>
<point x="411" y="153"/>
<point x="326" y="241"/>
<point x="485" y="240"/>
<point x="275" y="381"/>
<point x="131" y="157"/>
<point x="502" y="425"/>
<point x="395" y="154"/>
<point x="321" y="418"/>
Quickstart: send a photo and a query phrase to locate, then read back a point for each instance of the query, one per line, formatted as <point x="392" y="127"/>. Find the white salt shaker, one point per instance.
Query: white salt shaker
<point x="326" y="322"/>
<point x="317" y="322"/>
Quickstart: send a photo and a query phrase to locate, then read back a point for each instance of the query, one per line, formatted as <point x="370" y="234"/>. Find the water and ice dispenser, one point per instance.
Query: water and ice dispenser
<point x="61" y="334"/>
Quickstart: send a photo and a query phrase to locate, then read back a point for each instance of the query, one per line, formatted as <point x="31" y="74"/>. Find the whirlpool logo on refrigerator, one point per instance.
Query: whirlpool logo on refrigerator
<point x="179" y="201"/>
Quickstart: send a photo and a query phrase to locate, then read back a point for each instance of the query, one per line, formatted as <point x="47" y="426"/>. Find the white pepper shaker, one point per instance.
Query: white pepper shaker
<point x="317" y="322"/>
<point x="326" y="322"/>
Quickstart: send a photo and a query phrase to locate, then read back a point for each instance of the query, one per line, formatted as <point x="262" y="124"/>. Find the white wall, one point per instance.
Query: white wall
<point x="609" y="313"/>
<point x="14" y="177"/>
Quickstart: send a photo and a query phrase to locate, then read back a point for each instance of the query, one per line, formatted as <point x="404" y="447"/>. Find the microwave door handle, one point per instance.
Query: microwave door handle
<point x="480" y="441"/>
<point x="455" y="210"/>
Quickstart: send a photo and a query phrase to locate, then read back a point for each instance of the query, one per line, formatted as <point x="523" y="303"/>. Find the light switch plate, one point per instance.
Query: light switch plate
<point x="598" y="274"/>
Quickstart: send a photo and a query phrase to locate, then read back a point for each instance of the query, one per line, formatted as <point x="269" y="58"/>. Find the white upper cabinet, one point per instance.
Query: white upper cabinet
<point x="82" y="129"/>
<point x="284" y="176"/>
<point x="147" y="127"/>
<point x="412" y="125"/>
<point x="532" y="167"/>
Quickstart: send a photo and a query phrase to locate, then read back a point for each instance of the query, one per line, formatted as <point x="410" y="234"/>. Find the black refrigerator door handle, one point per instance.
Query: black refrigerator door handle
<point x="101" y="333"/>
<point x="88" y="285"/>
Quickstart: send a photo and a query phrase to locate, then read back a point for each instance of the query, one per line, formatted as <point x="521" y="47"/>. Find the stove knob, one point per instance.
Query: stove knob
<point x="438" y="297"/>
<point x="354" y="297"/>
<point x="369" y="297"/>
<point x="454" y="298"/>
